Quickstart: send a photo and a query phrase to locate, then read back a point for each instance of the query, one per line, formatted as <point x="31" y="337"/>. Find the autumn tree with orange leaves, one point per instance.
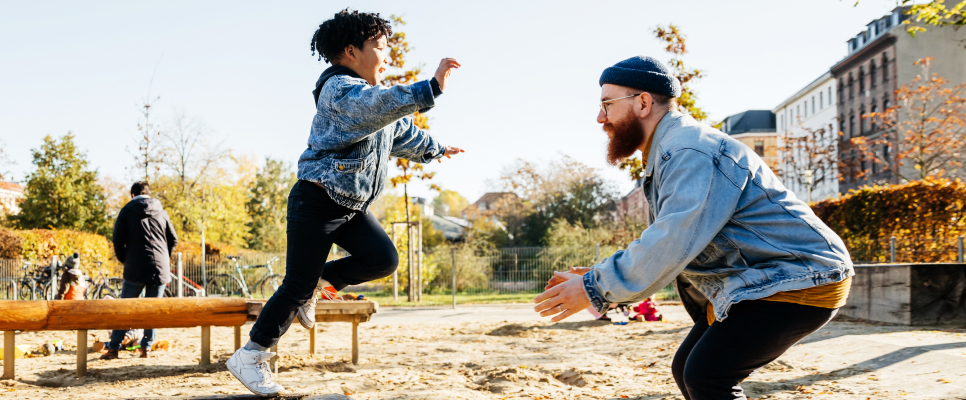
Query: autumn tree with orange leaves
<point x="675" y="44"/>
<point x="924" y="130"/>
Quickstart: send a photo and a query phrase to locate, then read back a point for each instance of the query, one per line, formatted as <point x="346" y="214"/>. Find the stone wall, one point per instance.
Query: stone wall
<point x="908" y="294"/>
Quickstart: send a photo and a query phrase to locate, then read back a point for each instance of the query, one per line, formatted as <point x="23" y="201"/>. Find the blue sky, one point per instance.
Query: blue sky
<point x="527" y="89"/>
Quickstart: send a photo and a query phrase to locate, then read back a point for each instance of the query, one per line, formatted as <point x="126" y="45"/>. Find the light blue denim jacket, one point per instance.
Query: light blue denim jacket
<point x="356" y="128"/>
<point x="722" y="224"/>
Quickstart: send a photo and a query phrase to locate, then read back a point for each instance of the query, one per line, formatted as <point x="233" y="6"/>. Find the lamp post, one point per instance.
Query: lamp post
<point x="808" y="181"/>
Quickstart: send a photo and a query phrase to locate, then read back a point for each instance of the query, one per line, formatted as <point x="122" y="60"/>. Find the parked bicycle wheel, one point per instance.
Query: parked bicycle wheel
<point x="102" y="290"/>
<point x="222" y="285"/>
<point x="115" y="284"/>
<point x="267" y="286"/>
<point x="8" y="289"/>
<point x="29" y="291"/>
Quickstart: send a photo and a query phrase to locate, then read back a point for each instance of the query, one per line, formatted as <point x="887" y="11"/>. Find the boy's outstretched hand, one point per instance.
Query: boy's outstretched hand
<point x="564" y="299"/>
<point x="450" y="150"/>
<point x="446" y="67"/>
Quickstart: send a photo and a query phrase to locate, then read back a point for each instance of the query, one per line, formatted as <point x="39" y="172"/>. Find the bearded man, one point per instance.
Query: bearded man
<point x="756" y="270"/>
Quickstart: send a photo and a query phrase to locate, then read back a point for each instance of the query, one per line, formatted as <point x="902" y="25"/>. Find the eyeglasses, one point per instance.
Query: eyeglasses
<point x="605" y="103"/>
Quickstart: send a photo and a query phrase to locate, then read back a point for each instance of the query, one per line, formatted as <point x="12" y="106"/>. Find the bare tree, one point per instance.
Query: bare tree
<point x="190" y="152"/>
<point x="806" y="149"/>
<point x="925" y="129"/>
<point x="4" y="161"/>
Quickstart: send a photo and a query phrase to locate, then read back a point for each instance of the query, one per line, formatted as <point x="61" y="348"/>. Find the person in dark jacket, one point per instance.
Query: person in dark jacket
<point x="143" y="240"/>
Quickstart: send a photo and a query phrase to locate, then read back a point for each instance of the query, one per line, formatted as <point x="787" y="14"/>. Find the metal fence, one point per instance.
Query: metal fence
<point x="907" y="250"/>
<point x="480" y="276"/>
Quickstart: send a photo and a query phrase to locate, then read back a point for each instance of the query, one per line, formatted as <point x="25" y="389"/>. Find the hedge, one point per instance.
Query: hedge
<point x="926" y="217"/>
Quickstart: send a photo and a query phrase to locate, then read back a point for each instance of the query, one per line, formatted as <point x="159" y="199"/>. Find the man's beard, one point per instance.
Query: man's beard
<point x="625" y="137"/>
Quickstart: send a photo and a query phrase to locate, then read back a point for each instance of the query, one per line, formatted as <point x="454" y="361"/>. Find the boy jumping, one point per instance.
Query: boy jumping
<point x="357" y="126"/>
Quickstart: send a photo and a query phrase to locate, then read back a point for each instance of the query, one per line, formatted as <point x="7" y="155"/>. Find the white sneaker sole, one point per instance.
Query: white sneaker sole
<point x="304" y="319"/>
<point x="237" y="375"/>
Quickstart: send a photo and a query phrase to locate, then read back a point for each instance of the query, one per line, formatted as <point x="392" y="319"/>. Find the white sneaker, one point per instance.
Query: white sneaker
<point x="251" y="368"/>
<point x="306" y="314"/>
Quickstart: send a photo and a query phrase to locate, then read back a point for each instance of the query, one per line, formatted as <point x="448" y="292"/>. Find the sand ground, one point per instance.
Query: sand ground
<point x="508" y="352"/>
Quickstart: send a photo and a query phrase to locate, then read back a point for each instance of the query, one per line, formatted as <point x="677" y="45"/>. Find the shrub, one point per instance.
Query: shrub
<point x="925" y="217"/>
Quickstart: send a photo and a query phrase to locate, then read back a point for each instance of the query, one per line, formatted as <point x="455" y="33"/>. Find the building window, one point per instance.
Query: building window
<point x="885" y="153"/>
<point x="885" y="67"/>
<point x="875" y="167"/>
<point x="862" y="118"/>
<point x="852" y="125"/>
<point x="830" y="102"/>
<point x="813" y="105"/>
<point x="821" y="102"/>
<point x="872" y="74"/>
<point x="885" y="102"/>
<point x="842" y="124"/>
<point x="862" y="165"/>
<point x="874" y="110"/>
<point x="760" y="148"/>
<point x="861" y="80"/>
<point x="805" y="106"/>
<point x="798" y="110"/>
<point x="851" y="86"/>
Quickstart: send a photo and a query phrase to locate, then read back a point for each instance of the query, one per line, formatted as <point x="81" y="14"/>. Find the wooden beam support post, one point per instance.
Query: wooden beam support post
<point x="9" y="341"/>
<point x="237" y="330"/>
<point x="206" y="345"/>
<point x="273" y="363"/>
<point x="355" y="340"/>
<point x="312" y="333"/>
<point x="81" y="353"/>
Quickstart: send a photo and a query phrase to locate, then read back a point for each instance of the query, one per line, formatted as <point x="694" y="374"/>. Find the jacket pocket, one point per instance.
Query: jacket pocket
<point x="349" y="166"/>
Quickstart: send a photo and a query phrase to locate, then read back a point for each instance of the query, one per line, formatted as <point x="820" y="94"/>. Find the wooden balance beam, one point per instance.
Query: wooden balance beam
<point x="354" y="312"/>
<point x="83" y="315"/>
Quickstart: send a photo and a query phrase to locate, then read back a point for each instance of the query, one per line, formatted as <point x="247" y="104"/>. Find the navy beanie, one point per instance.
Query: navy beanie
<point x="642" y="73"/>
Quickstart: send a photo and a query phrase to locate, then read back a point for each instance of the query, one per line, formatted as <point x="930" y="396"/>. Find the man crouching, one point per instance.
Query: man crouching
<point x="755" y="268"/>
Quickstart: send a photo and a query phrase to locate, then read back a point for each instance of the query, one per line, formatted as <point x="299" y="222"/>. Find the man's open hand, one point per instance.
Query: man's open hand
<point x="446" y="67"/>
<point x="556" y="280"/>
<point x="563" y="299"/>
<point x="450" y="150"/>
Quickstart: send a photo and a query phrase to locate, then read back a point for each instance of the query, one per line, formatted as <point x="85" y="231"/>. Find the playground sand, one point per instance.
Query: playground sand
<point x="504" y="354"/>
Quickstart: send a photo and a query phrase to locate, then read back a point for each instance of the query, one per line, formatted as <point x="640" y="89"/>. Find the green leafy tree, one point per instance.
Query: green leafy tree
<point x="267" y="205"/>
<point x="675" y="45"/>
<point x="62" y="193"/>
<point x="566" y="190"/>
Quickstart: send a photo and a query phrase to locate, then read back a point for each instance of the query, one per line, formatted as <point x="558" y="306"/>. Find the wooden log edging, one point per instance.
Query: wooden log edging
<point x="83" y="315"/>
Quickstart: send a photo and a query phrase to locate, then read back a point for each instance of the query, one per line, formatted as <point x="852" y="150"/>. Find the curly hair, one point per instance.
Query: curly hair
<point x="347" y="27"/>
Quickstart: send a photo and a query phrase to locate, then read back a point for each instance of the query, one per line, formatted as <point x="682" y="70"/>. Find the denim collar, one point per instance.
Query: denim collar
<point x="334" y="70"/>
<point x="670" y="119"/>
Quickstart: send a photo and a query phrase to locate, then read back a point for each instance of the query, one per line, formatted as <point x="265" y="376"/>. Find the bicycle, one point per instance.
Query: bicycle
<point x="191" y="289"/>
<point x="104" y="286"/>
<point x="35" y="284"/>
<point x="227" y="285"/>
<point x="10" y="286"/>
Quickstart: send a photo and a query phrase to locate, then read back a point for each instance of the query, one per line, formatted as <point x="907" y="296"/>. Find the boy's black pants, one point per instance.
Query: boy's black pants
<point x="713" y="360"/>
<point x="315" y="222"/>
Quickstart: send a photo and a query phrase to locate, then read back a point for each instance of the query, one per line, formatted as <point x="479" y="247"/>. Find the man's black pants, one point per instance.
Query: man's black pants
<point x="315" y="222"/>
<point x="712" y="361"/>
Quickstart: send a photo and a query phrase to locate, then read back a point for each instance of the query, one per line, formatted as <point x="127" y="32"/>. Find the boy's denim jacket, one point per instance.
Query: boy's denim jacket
<point x="721" y="225"/>
<point x="356" y="128"/>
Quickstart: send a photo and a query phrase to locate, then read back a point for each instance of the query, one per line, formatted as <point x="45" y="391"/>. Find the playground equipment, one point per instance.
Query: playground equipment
<point x="84" y="315"/>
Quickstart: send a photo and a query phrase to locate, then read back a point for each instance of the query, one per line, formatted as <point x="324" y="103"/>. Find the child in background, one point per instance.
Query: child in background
<point x="647" y="311"/>
<point x="73" y="283"/>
